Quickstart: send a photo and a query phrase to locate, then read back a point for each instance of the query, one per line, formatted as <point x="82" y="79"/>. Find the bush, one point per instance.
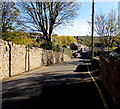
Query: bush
<point x="16" y="38"/>
<point x="68" y="51"/>
<point x="48" y="45"/>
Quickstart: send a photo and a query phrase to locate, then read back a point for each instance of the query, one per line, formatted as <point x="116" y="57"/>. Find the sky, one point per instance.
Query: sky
<point x="80" y="26"/>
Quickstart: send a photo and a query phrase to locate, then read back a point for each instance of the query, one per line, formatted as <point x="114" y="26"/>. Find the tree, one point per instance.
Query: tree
<point x="106" y="26"/>
<point x="100" y="24"/>
<point x="54" y="35"/>
<point x="9" y="16"/>
<point x="18" y="38"/>
<point x="46" y="16"/>
<point x="112" y="28"/>
<point x="112" y="23"/>
<point x="64" y="40"/>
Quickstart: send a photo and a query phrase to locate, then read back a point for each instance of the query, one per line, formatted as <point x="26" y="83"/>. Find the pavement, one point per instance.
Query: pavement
<point x="64" y="85"/>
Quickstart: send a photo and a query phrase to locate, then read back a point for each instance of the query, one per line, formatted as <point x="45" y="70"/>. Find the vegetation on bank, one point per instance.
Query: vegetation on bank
<point x="59" y="43"/>
<point x="32" y="23"/>
<point x="14" y="25"/>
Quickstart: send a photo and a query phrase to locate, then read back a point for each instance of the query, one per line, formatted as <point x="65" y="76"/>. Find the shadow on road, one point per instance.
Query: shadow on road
<point x="59" y="91"/>
<point x="54" y="90"/>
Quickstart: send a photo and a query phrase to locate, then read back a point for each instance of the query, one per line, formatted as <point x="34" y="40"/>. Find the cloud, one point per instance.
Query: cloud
<point x="79" y="28"/>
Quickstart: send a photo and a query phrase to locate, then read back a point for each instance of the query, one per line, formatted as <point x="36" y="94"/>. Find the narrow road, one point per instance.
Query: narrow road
<point x="64" y="85"/>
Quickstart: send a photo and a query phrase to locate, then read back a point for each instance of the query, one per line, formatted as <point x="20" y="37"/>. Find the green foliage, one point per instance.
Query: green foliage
<point x="80" y="41"/>
<point x="85" y="40"/>
<point x="106" y="27"/>
<point x="37" y="43"/>
<point x="17" y="38"/>
<point x="88" y="42"/>
<point x="64" y="40"/>
<point x="8" y="36"/>
<point x="22" y="34"/>
<point x="48" y="45"/>
<point x="54" y="35"/>
<point x="98" y="45"/>
<point x="23" y="40"/>
<point x="68" y="51"/>
<point x="117" y="41"/>
<point x="38" y="40"/>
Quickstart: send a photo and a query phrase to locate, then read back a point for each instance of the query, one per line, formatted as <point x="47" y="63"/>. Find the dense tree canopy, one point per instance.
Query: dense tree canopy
<point x="64" y="40"/>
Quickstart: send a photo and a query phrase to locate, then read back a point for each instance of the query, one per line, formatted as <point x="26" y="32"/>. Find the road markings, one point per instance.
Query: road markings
<point x="98" y="88"/>
<point x="100" y="93"/>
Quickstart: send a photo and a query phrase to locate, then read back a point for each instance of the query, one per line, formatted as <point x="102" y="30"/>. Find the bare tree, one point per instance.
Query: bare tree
<point x="100" y="24"/>
<point x="112" y="28"/>
<point x="9" y="15"/>
<point x="112" y="23"/>
<point x="106" y="25"/>
<point x="46" y="16"/>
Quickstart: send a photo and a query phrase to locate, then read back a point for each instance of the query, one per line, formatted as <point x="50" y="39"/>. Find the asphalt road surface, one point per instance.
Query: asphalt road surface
<point x="59" y="86"/>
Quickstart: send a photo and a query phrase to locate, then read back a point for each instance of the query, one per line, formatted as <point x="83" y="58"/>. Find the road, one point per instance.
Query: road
<point x="64" y="85"/>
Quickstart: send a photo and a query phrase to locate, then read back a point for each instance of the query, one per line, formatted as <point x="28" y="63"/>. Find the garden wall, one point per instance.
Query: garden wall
<point x="110" y="75"/>
<point x="15" y="59"/>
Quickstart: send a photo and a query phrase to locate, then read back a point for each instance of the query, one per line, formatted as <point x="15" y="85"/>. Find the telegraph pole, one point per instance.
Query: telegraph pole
<point x="92" y="34"/>
<point x="119" y="17"/>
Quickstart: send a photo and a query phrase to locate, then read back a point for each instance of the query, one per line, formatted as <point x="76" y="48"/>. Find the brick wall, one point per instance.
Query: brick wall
<point x="110" y="75"/>
<point x="15" y="59"/>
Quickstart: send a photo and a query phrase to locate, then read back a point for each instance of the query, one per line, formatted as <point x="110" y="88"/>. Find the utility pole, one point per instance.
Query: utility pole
<point x="119" y="17"/>
<point x="0" y="20"/>
<point x="92" y="34"/>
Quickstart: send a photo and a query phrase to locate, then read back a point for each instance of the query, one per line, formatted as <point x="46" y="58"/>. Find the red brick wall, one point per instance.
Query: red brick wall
<point x="110" y="75"/>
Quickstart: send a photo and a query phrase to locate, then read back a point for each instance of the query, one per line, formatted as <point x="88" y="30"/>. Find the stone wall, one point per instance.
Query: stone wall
<point x="35" y="57"/>
<point x="4" y="59"/>
<point x="18" y="53"/>
<point x="110" y="75"/>
<point x="15" y="59"/>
